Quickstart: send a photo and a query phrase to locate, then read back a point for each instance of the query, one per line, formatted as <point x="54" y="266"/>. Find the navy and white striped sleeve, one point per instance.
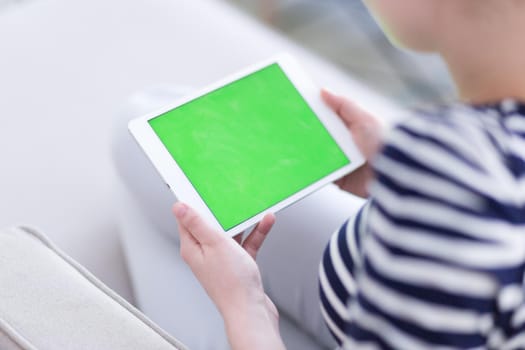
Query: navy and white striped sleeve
<point x="429" y="266"/>
<point x="340" y="262"/>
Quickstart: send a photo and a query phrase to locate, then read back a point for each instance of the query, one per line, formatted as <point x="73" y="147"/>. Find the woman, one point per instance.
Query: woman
<point x="436" y="258"/>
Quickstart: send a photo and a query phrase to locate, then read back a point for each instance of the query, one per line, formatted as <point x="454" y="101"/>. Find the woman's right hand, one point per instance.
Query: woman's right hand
<point x="366" y="132"/>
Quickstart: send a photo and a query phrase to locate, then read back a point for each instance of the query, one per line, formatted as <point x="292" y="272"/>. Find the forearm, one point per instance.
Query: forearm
<point x="253" y="327"/>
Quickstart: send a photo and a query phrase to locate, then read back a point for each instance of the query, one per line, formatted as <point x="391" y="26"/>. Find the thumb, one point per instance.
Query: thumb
<point x="255" y="240"/>
<point x="191" y="221"/>
<point x="345" y="109"/>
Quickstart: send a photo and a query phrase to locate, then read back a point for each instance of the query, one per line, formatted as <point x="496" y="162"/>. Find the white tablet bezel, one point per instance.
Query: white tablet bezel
<point x="181" y="186"/>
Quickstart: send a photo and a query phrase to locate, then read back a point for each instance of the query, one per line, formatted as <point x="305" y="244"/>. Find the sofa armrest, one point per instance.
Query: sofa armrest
<point x="48" y="301"/>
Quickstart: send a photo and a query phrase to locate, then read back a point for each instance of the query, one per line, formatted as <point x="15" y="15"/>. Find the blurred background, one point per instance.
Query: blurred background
<point x="343" y="32"/>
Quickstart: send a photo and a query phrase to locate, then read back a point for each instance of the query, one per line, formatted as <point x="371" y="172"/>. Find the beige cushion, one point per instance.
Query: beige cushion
<point x="49" y="302"/>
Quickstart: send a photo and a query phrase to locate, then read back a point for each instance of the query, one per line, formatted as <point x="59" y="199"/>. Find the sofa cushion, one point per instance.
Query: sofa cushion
<point x="48" y="301"/>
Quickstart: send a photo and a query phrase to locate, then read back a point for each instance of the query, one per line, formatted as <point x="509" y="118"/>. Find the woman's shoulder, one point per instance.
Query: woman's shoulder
<point x="477" y="137"/>
<point x="469" y="123"/>
<point x="455" y="122"/>
<point x="438" y="139"/>
<point x="453" y="157"/>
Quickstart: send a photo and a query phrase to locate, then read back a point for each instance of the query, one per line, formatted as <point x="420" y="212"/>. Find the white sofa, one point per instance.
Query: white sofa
<point x="49" y="301"/>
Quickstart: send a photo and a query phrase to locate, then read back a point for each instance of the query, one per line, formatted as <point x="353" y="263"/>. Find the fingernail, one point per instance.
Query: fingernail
<point x="180" y="209"/>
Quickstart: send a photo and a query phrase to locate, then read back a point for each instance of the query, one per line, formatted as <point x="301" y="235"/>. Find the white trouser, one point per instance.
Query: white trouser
<point x="290" y="258"/>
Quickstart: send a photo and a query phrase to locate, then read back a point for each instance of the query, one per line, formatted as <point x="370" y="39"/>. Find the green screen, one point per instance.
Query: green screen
<point x="249" y="144"/>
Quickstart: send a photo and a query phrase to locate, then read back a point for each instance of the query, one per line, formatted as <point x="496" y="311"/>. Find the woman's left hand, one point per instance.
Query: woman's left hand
<point x="227" y="270"/>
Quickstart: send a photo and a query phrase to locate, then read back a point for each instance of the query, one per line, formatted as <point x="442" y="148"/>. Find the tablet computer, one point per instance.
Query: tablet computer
<point x="250" y="144"/>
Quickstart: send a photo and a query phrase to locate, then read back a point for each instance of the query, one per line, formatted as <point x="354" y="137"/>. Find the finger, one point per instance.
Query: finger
<point x="238" y="238"/>
<point x="189" y="247"/>
<point x="340" y="182"/>
<point x="190" y="220"/>
<point x="256" y="238"/>
<point x="332" y="100"/>
<point x="345" y="109"/>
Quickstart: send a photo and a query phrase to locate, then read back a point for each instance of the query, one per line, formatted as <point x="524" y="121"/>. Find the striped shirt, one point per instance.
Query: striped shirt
<point x="436" y="258"/>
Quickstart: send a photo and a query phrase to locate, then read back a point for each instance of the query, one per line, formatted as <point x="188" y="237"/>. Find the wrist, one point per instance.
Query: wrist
<point x="245" y="311"/>
<point x="253" y="325"/>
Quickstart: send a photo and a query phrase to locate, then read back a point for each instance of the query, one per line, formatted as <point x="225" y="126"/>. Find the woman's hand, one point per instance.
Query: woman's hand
<point x="227" y="270"/>
<point x="366" y="133"/>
